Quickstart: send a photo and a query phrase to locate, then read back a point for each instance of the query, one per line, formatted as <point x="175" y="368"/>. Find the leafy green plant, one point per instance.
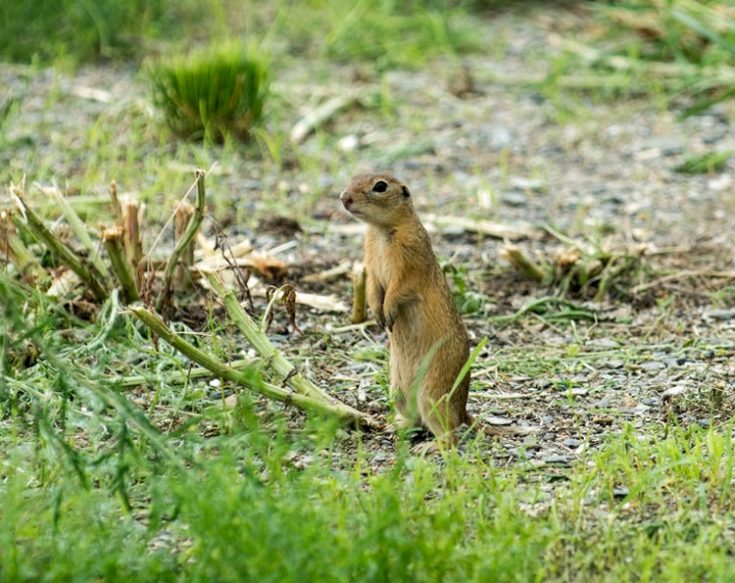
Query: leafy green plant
<point x="212" y="93"/>
<point x="467" y="300"/>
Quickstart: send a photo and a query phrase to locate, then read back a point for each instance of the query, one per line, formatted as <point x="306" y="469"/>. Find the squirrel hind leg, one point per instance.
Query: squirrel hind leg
<point x="442" y="420"/>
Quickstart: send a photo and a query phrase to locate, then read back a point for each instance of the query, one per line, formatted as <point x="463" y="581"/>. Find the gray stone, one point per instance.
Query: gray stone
<point x="653" y="366"/>
<point x="720" y="314"/>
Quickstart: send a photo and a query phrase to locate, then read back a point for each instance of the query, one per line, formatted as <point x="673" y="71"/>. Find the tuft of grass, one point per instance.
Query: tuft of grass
<point x="704" y="163"/>
<point x="212" y="93"/>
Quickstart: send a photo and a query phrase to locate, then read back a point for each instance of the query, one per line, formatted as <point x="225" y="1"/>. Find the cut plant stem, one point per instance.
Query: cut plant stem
<point x="177" y="376"/>
<point x="113" y="239"/>
<point x="225" y="372"/>
<point x="131" y="234"/>
<point x="13" y="249"/>
<point x="523" y="263"/>
<point x="182" y="275"/>
<point x="263" y="345"/>
<point x="359" y="306"/>
<point x="115" y="201"/>
<point x="189" y="234"/>
<point x="86" y="272"/>
<point x="78" y="226"/>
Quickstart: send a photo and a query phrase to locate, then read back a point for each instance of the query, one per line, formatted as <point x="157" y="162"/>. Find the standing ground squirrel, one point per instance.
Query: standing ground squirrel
<point x="409" y="296"/>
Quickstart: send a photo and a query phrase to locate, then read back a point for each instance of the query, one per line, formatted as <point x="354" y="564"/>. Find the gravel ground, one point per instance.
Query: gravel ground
<point x="601" y="170"/>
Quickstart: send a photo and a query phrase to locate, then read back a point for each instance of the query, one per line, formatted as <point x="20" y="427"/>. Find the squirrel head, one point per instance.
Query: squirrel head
<point x="377" y="199"/>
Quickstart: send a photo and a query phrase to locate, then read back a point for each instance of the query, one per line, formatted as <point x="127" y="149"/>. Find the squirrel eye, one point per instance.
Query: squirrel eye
<point x="380" y="186"/>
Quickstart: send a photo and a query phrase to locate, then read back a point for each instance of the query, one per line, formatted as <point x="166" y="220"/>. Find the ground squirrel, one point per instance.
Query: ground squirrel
<point x="409" y="296"/>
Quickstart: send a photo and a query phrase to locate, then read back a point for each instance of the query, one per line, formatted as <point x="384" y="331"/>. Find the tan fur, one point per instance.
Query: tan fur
<point x="409" y="296"/>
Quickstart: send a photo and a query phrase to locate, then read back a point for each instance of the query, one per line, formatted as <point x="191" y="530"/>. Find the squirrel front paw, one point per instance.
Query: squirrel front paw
<point x="390" y="318"/>
<point x="380" y="321"/>
<point x="379" y="318"/>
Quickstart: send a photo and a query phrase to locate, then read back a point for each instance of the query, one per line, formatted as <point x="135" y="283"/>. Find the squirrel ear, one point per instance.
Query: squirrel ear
<point x="405" y="192"/>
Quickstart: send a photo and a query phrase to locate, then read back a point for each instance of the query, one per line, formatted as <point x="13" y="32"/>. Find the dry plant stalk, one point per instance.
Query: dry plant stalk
<point x="329" y="274"/>
<point x="12" y="249"/>
<point x="182" y="275"/>
<point x="86" y="272"/>
<point x="269" y="267"/>
<point x="115" y="202"/>
<point x="514" y="232"/>
<point x="321" y="115"/>
<point x="189" y="234"/>
<point x="359" y="305"/>
<point x="220" y="369"/>
<point x="523" y="263"/>
<point x="113" y="240"/>
<point x="131" y="234"/>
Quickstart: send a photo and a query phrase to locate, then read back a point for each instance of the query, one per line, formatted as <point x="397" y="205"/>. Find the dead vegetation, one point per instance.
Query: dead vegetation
<point x="635" y="273"/>
<point x="140" y="275"/>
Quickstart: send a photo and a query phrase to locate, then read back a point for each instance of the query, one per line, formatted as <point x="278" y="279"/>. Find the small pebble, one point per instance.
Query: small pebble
<point x="604" y="343"/>
<point x="653" y="365"/>
<point x="673" y="391"/>
<point x="348" y="143"/>
<point x="620" y="492"/>
<point x="721" y="314"/>
<point x="515" y="199"/>
<point x="614" y="364"/>
<point x="528" y="184"/>
<point x="557" y="459"/>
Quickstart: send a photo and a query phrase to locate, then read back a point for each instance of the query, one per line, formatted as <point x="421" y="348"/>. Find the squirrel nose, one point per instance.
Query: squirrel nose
<point x="346" y="200"/>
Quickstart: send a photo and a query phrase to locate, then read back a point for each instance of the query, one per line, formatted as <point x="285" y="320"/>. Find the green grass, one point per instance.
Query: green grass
<point x="80" y="30"/>
<point x="92" y="489"/>
<point x="694" y="31"/>
<point x="679" y="51"/>
<point x="388" y="35"/>
<point x="212" y="93"/>
<point x="385" y="32"/>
